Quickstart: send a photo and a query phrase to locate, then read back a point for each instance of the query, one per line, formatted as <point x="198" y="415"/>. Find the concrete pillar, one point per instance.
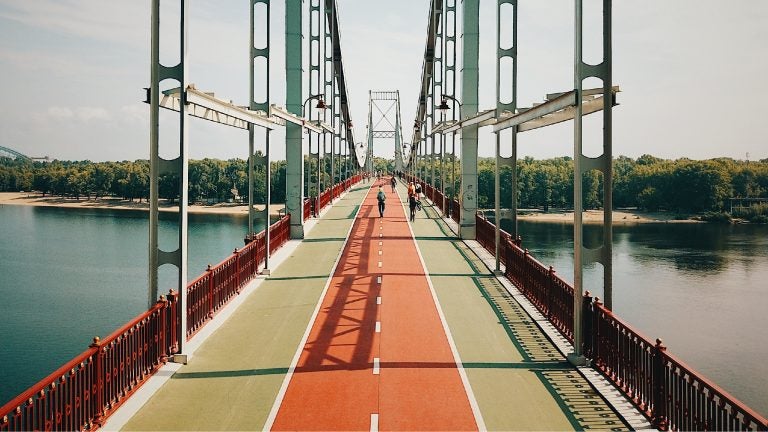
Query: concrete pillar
<point x="469" y="88"/>
<point x="294" y="194"/>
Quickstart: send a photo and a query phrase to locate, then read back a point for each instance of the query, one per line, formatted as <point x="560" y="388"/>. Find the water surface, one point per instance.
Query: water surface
<point x="67" y="275"/>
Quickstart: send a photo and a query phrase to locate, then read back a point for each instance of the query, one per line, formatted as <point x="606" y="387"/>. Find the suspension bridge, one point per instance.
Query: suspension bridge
<point x="337" y="318"/>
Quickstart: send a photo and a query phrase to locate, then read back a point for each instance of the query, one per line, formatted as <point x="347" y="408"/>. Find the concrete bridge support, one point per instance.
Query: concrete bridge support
<point x="294" y="177"/>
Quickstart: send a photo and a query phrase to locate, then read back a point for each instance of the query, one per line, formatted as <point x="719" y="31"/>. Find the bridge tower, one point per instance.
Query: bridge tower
<point x="384" y="123"/>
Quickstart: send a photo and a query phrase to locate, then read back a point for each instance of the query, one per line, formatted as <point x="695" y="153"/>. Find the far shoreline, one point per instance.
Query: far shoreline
<point x="620" y="217"/>
<point x="37" y="200"/>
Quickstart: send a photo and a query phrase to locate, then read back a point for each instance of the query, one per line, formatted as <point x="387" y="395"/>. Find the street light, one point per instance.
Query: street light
<point x="321" y="105"/>
<point x="444" y="102"/>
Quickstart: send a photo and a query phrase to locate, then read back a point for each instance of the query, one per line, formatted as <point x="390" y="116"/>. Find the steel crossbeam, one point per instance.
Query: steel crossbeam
<point x="206" y="106"/>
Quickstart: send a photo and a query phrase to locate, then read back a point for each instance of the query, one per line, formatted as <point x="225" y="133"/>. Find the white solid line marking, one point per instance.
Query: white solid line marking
<point x="374" y="423"/>
<point x="378" y="326"/>
<point x="378" y="279"/>
<point x="462" y="372"/>
<point x="378" y="300"/>
<point x="376" y="366"/>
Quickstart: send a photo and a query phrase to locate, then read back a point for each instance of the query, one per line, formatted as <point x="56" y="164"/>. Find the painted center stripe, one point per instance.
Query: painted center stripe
<point x="379" y="252"/>
<point x="333" y="389"/>
<point x="381" y="243"/>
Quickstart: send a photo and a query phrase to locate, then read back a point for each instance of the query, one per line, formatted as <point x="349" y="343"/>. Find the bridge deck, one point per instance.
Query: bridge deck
<point x="377" y="354"/>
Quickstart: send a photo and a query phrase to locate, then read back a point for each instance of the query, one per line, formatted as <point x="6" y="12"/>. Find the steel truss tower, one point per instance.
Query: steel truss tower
<point x="384" y="123"/>
<point x="558" y="107"/>
<point x="190" y="102"/>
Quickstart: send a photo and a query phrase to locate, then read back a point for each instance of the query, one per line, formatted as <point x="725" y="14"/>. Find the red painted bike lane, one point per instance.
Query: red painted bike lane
<point x="377" y="356"/>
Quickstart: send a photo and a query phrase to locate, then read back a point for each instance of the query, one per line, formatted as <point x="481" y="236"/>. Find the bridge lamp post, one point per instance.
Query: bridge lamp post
<point x="443" y="107"/>
<point x="320" y="106"/>
<point x="361" y="147"/>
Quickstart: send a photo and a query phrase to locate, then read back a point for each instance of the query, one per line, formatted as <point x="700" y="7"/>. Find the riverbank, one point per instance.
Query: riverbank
<point x="34" y="199"/>
<point x="596" y="217"/>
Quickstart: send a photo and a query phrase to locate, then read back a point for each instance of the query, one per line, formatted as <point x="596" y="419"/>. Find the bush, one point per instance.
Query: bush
<point x="716" y="217"/>
<point x="757" y="213"/>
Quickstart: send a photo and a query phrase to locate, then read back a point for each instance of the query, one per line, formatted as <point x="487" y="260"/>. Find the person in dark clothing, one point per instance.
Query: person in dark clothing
<point x="393" y="182"/>
<point x="412" y="206"/>
<point x="381" y="197"/>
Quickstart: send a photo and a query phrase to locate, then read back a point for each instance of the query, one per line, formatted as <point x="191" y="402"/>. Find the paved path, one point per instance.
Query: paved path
<point x="234" y="377"/>
<point x="520" y="380"/>
<point x="328" y="346"/>
<point x="377" y="356"/>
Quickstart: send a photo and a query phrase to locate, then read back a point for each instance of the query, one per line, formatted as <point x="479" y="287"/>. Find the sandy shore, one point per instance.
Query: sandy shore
<point x="590" y="216"/>
<point x="594" y="216"/>
<point x="33" y="199"/>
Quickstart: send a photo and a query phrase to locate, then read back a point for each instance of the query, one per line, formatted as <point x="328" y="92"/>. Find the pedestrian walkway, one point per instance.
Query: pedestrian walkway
<point x="518" y="377"/>
<point x="235" y="376"/>
<point x="400" y="327"/>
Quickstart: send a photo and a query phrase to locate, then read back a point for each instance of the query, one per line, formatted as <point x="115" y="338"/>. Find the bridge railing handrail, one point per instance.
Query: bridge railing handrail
<point x="667" y="390"/>
<point x="102" y="377"/>
<point x="671" y="393"/>
<point x="61" y="401"/>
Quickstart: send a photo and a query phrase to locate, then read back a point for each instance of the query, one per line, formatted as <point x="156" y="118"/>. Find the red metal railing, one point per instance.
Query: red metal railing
<point x="87" y="389"/>
<point x="308" y="205"/>
<point x="551" y="295"/>
<point x="672" y="394"/>
<point x="456" y="211"/>
<point x="84" y="391"/>
<point x="279" y="234"/>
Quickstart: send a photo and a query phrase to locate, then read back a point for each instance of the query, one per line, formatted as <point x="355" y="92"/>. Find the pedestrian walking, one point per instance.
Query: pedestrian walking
<point x="381" y="197"/>
<point x="412" y="199"/>
<point x="393" y="182"/>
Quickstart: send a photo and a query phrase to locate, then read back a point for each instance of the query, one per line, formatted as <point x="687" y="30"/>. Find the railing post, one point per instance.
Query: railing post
<point x="162" y="337"/>
<point x="596" y="345"/>
<point x="211" y="287"/>
<point x="173" y="312"/>
<point x="586" y="318"/>
<point x="97" y="383"/>
<point x="550" y="289"/>
<point x="236" y="253"/>
<point x="659" y="413"/>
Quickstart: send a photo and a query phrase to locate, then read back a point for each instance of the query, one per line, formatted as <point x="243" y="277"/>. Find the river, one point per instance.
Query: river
<point x="67" y="275"/>
<point x="70" y="274"/>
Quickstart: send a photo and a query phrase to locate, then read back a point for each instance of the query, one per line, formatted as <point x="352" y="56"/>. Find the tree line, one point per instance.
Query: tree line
<point x="683" y="186"/>
<point x="648" y="182"/>
<point x="210" y="180"/>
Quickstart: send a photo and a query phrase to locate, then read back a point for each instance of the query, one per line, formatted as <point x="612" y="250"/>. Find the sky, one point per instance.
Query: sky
<point x="692" y="74"/>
